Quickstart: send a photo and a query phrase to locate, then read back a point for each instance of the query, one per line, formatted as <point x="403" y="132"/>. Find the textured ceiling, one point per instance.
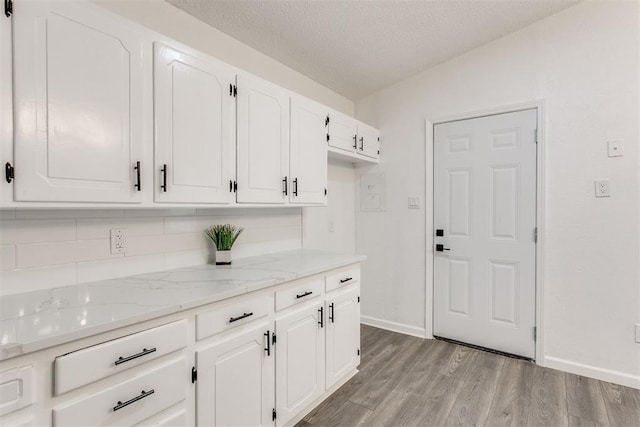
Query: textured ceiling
<point x="356" y="47"/>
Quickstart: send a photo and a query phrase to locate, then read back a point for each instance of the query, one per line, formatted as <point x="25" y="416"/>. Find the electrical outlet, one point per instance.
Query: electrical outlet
<point x="603" y="188"/>
<point x="615" y="148"/>
<point x="638" y="333"/>
<point x="332" y="226"/>
<point x="118" y="241"/>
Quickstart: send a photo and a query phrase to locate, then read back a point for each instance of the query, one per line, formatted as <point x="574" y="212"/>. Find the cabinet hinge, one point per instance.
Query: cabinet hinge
<point x="273" y="338"/>
<point x="273" y="414"/>
<point x="535" y="333"/>
<point x="535" y="235"/>
<point x="328" y="137"/>
<point x="235" y="91"/>
<point x="235" y="186"/>
<point x="326" y="121"/>
<point x="9" y="172"/>
<point x="8" y="8"/>
<point x="194" y="375"/>
<point x="358" y="298"/>
<point x="358" y="352"/>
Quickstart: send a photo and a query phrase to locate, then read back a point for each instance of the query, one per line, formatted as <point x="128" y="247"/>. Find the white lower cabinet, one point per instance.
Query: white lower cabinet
<point x="235" y="380"/>
<point x="299" y="360"/>
<point x="343" y="334"/>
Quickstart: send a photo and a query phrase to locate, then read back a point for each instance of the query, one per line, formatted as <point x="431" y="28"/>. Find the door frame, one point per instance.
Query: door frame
<point x="540" y="212"/>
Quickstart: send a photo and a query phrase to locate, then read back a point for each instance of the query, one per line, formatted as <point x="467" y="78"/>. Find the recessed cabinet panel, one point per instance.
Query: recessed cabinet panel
<point x="342" y="132"/>
<point x="262" y="141"/>
<point x="309" y="129"/>
<point x="79" y="104"/>
<point x="235" y="384"/>
<point x="368" y="144"/>
<point x="195" y="133"/>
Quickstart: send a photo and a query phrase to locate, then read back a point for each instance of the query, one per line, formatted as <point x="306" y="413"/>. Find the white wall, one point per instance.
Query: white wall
<point x="583" y="62"/>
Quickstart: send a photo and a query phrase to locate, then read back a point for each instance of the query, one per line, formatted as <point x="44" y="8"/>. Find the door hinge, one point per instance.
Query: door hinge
<point x="535" y="235"/>
<point x="8" y="8"/>
<point x="9" y="172"/>
<point x="535" y="333"/>
<point x="273" y="414"/>
<point x="326" y="121"/>
<point x="194" y="375"/>
<point x="273" y="339"/>
<point x="328" y="137"/>
<point x="358" y="351"/>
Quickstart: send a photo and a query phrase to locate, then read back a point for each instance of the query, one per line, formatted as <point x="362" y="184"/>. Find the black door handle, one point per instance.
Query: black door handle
<point x="163" y="187"/>
<point x="268" y="349"/>
<point x="331" y="317"/>
<point x="321" y="316"/>
<point x="440" y="232"/>
<point x="295" y="187"/>
<point x="138" y="184"/>
<point x="286" y="190"/>
<point x="361" y="143"/>
<point x="355" y="142"/>
<point x="441" y="248"/>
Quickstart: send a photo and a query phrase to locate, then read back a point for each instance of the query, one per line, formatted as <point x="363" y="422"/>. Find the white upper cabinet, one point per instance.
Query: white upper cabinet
<point x="308" y="179"/>
<point x="194" y="128"/>
<point x="342" y="131"/>
<point x="368" y="141"/>
<point x="78" y="104"/>
<point x="262" y="141"/>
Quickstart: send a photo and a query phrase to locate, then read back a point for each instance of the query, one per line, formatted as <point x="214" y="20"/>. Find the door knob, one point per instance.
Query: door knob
<point x="441" y="248"/>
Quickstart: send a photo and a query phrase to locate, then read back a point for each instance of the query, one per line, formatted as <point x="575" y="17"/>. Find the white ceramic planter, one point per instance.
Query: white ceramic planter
<point x="223" y="257"/>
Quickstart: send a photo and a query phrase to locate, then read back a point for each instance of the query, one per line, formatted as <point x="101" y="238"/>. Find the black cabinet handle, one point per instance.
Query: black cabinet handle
<point x="346" y="279"/>
<point x="295" y="187"/>
<point x="244" y="316"/>
<point x="268" y="349"/>
<point x="164" y="178"/>
<point x="286" y="190"/>
<point x="230" y="186"/>
<point x="138" y="184"/>
<point x="331" y="316"/>
<point x="321" y="317"/>
<point x="141" y="396"/>
<point x="144" y="352"/>
<point x="362" y="143"/>
<point x="355" y="142"/>
<point x="441" y="248"/>
<point x="303" y="295"/>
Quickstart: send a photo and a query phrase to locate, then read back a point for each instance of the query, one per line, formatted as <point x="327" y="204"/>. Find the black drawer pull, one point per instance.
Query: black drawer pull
<point x="346" y="279"/>
<point x="303" y="295"/>
<point x="141" y="396"/>
<point x="244" y="316"/>
<point x="144" y="352"/>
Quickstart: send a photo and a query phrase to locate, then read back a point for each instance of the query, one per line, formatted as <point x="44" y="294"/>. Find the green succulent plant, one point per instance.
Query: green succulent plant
<point x="223" y="235"/>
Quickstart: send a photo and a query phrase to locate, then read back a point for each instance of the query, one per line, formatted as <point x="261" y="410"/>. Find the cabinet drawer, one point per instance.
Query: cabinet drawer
<point x="343" y="277"/>
<point x="129" y="402"/>
<point x="226" y="315"/>
<point x="300" y="291"/>
<point x="16" y="389"/>
<point x="93" y="363"/>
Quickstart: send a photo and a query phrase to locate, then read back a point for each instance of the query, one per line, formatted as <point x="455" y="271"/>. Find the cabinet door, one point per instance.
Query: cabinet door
<point x="235" y="384"/>
<point x="342" y="131"/>
<point x="299" y="361"/>
<point x="368" y="142"/>
<point x="79" y="103"/>
<point x="308" y="180"/>
<point x="343" y="335"/>
<point x="195" y="128"/>
<point x="262" y="141"/>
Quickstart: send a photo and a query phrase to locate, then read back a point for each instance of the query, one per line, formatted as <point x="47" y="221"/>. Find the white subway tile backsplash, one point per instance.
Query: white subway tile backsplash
<point x="34" y="279"/>
<point x="181" y="224"/>
<point x="35" y="231"/>
<point x="164" y="243"/>
<point x="100" y="228"/>
<point x="187" y="258"/>
<point x="68" y="213"/>
<point x="138" y="213"/>
<point x="92" y="271"/>
<point x="7" y="257"/>
<point x="38" y="254"/>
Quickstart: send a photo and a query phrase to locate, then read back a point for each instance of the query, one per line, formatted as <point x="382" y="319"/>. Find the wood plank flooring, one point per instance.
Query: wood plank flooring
<point x="408" y="381"/>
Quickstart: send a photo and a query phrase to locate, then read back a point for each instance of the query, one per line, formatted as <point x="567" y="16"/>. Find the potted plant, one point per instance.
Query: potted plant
<point x="223" y="237"/>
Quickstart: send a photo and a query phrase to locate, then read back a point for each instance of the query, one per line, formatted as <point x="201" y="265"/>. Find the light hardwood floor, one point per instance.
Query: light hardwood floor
<point x="408" y="381"/>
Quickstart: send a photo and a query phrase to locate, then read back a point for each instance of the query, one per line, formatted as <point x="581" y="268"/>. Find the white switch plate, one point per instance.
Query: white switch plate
<point x="414" y="203"/>
<point x="615" y="148"/>
<point x="603" y="188"/>
<point x="118" y="241"/>
<point x="638" y="333"/>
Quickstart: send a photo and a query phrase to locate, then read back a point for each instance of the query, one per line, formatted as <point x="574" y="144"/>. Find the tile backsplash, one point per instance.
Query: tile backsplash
<point x="48" y="248"/>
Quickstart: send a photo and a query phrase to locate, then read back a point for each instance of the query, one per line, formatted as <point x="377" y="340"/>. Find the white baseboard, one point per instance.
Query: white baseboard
<point x="393" y="326"/>
<point x="616" y="377"/>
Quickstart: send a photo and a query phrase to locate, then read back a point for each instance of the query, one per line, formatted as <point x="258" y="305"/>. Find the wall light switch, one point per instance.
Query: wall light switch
<point x="603" y="188"/>
<point x="414" y="203"/>
<point x="615" y="148"/>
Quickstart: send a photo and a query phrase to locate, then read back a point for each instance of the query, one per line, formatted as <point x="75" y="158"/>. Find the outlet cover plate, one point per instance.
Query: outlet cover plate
<point x="615" y="148"/>
<point x="118" y="241"/>
<point x="603" y="188"/>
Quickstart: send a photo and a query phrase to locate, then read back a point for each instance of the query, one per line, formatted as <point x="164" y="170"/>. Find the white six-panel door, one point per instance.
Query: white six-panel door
<point x="194" y="128"/>
<point x="308" y="162"/>
<point x="485" y="203"/>
<point x="79" y="104"/>
<point x="262" y="141"/>
<point x="235" y="380"/>
<point x="299" y="361"/>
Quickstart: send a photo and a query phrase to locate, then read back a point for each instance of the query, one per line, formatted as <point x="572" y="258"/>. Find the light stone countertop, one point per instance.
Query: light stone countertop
<point x="36" y="320"/>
